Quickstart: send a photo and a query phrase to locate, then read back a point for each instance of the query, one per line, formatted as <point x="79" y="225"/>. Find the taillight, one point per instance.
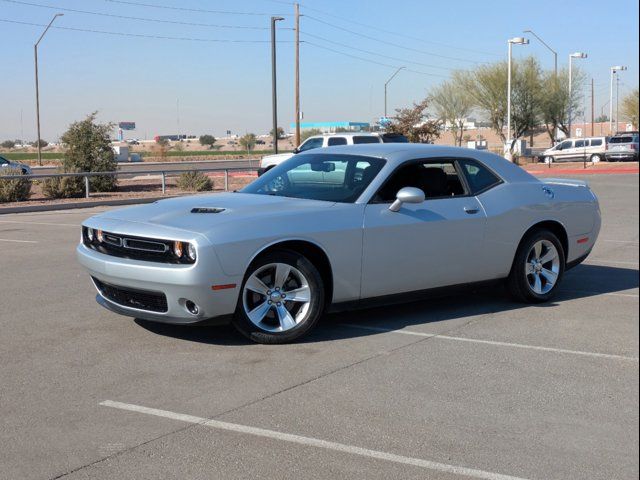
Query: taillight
<point x="633" y="146"/>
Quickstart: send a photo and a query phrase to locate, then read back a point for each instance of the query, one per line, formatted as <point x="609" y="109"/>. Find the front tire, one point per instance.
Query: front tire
<point x="538" y="268"/>
<point x="548" y="160"/>
<point x="281" y="299"/>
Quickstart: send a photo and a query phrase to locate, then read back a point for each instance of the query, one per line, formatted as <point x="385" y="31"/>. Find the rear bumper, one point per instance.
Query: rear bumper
<point x="621" y="156"/>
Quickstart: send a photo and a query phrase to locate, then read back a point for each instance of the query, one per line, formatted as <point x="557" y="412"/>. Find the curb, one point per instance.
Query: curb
<point x="74" y="205"/>
<point x="581" y="171"/>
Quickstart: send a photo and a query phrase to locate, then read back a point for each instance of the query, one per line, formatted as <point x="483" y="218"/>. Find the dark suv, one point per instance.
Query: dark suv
<point x="623" y="146"/>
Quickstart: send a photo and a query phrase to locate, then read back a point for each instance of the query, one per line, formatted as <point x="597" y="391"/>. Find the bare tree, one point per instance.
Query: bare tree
<point x="452" y="105"/>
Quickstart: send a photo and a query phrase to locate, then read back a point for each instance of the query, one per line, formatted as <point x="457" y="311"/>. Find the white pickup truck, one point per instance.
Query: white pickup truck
<point x="330" y="140"/>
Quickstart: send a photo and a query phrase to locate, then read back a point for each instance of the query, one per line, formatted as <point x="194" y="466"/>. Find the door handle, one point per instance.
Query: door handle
<point x="471" y="210"/>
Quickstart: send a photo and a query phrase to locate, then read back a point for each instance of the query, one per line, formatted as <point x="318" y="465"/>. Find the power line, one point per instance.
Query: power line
<point x="388" y="43"/>
<point x="417" y="39"/>
<point x="198" y="10"/>
<point x="373" y="61"/>
<point x="374" y="53"/>
<point x="139" y="35"/>
<point x="175" y="22"/>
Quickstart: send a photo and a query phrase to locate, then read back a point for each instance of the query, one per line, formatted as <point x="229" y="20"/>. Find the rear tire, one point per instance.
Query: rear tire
<point x="538" y="268"/>
<point x="595" y="158"/>
<point x="281" y="299"/>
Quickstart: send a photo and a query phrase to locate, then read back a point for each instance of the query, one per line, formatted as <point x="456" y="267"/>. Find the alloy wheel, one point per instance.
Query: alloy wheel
<point x="542" y="267"/>
<point x="276" y="297"/>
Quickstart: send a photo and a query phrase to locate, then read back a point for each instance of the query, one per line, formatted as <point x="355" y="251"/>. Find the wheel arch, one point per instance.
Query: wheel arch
<point x="555" y="227"/>
<point x="313" y="252"/>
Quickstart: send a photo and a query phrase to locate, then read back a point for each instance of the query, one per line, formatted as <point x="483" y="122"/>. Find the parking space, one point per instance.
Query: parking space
<point x="469" y="386"/>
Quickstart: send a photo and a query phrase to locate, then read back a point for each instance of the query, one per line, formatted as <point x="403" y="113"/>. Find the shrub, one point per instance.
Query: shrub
<point x="8" y="144"/>
<point x="194" y="181"/>
<point x="88" y="150"/>
<point x="14" y="190"/>
<point x="63" y="187"/>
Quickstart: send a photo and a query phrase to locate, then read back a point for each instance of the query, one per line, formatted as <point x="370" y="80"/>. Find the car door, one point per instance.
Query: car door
<point x="566" y="150"/>
<point x="433" y="244"/>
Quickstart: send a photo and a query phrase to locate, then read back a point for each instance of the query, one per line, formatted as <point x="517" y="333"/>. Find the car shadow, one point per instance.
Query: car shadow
<point x="584" y="281"/>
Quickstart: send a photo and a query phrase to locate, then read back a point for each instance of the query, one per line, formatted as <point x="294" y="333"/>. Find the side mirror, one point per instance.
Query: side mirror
<point x="407" y="195"/>
<point x="296" y="150"/>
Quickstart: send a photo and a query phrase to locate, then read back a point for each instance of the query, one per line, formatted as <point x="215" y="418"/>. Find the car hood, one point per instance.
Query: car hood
<point x="280" y="157"/>
<point x="213" y="210"/>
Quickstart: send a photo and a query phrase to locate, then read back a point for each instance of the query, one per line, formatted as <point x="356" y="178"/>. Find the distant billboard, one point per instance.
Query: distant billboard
<point x="127" y="125"/>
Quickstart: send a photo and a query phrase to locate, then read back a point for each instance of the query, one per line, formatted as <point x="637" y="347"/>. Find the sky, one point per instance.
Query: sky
<point x="192" y="66"/>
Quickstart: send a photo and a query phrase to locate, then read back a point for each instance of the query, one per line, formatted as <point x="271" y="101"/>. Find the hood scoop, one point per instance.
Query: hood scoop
<point x="207" y="210"/>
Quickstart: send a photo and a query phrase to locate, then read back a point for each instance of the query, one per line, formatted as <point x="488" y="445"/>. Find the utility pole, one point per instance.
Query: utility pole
<point x="297" y="75"/>
<point x="35" y="57"/>
<point x="593" y="106"/>
<point x="274" y="94"/>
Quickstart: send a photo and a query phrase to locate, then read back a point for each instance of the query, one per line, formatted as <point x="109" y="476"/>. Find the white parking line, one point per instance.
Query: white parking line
<point x="42" y="223"/>
<point x="613" y="294"/>
<point x="633" y="242"/>
<point x="494" y="343"/>
<point x="313" y="442"/>
<point x="610" y="262"/>
<point x="17" y="241"/>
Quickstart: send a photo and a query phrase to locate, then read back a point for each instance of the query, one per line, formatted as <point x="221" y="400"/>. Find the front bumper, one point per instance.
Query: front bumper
<point x="178" y="283"/>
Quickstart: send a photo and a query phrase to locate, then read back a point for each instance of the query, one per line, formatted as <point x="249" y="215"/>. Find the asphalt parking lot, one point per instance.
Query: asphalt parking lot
<point x="471" y="386"/>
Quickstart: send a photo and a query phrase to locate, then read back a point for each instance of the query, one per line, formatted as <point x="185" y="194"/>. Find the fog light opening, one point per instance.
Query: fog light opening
<point x="192" y="307"/>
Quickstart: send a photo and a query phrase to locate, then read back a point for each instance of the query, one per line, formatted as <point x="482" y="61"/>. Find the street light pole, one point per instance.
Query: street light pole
<point x="614" y="71"/>
<point x="511" y="41"/>
<point x="385" y="89"/>
<point x="35" y="58"/>
<point x="555" y="54"/>
<point x="274" y="94"/>
<point x="571" y="57"/>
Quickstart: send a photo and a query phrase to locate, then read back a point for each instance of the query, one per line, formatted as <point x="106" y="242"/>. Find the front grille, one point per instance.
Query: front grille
<point x="133" y="298"/>
<point x="136" y="248"/>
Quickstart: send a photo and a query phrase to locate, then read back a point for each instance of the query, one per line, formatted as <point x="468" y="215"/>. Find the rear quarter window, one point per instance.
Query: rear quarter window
<point x="596" y="142"/>
<point x="479" y="177"/>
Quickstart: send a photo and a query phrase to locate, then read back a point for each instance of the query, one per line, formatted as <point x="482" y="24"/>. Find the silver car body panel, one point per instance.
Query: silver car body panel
<point x="372" y="251"/>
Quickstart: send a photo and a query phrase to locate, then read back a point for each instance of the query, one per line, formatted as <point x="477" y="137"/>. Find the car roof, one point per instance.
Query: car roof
<point x="398" y="153"/>
<point x="346" y="134"/>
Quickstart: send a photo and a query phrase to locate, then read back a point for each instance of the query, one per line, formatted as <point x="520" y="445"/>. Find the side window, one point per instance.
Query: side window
<point x="365" y="139"/>
<point x="333" y="141"/>
<point x="437" y="179"/>
<point x="580" y="143"/>
<point x="596" y="142"/>
<point x="479" y="177"/>
<point x="311" y="144"/>
<point x="566" y="144"/>
<point x="4" y="161"/>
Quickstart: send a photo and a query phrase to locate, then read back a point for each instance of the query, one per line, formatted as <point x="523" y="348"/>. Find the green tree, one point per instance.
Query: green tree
<point x="526" y="97"/>
<point x="207" y="141"/>
<point x="248" y="141"/>
<point x="629" y="108"/>
<point x="555" y="101"/>
<point x="89" y="150"/>
<point x="414" y="124"/>
<point x="43" y="143"/>
<point x="280" y="132"/>
<point x="452" y="105"/>
<point x="601" y="119"/>
<point x="309" y="133"/>
<point x="8" y="144"/>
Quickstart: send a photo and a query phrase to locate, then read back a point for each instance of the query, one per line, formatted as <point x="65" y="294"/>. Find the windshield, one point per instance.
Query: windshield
<point x="332" y="178"/>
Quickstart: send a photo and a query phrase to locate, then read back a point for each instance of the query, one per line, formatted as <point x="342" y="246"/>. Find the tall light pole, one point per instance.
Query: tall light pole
<point x="274" y="94"/>
<point x="35" y="53"/>
<point x="614" y="71"/>
<point x="555" y="54"/>
<point x="571" y="57"/>
<point x="511" y="42"/>
<point x="385" y="89"/>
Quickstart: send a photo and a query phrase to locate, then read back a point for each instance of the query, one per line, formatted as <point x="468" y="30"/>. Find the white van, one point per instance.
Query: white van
<point x="577" y="149"/>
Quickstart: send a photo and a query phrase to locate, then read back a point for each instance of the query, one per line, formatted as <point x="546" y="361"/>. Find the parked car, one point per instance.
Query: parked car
<point x="577" y="149"/>
<point x="330" y="140"/>
<point x="623" y="146"/>
<point x="6" y="164"/>
<point x="338" y="228"/>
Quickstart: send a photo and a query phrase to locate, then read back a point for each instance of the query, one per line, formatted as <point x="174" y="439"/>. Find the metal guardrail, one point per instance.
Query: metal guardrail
<point x="116" y="173"/>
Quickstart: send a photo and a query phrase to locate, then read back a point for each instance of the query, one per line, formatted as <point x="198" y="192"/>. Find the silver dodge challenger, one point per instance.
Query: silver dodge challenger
<point x="339" y="228"/>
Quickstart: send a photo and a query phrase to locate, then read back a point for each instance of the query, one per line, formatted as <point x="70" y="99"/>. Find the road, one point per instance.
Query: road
<point x="473" y="386"/>
<point x="170" y="166"/>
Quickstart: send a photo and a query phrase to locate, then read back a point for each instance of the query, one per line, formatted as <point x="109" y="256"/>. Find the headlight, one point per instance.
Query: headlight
<point x="191" y="251"/>
<point x="177" y="249"/>
<point x="90" y="234"/>
<point x="99" y="236"/>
